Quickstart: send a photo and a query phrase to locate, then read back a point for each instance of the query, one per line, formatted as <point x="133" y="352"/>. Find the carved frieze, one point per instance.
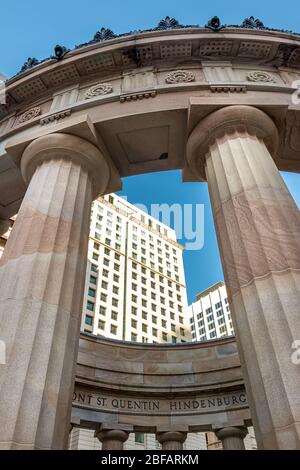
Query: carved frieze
<point x="29" y="115"/>
<point x="180" y="76"/>
<point x="98" y="90"/>
<point x="261" y="76"/>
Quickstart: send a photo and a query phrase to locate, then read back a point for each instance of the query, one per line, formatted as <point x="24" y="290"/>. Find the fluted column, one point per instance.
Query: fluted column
<point x="232" y="438"/>
<point x="112" y="439"/>
<point x="258" y="229"/>
<point x="42" y="274"/>
<point x="172" y="440"/>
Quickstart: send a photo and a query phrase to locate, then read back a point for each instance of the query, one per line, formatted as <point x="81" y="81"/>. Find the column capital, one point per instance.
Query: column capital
<point x="68" y="147"/>
<point x="232" y="431"/>
<point x="112" y="435"/>
<point x="167" y="436"/>
<point x="239" y="119"/>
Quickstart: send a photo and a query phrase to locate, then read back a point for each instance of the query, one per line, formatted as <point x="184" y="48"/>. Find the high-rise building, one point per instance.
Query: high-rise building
<point x="135" y="283"/>
<point x="210" y="316"/>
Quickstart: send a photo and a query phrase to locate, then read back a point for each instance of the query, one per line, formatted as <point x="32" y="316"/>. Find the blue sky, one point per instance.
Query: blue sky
<point x="32" y="28"/>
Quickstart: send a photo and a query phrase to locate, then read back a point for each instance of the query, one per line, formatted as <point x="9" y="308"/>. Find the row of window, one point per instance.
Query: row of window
<point x="145" y="220"/>
<point x="134" y="336"/>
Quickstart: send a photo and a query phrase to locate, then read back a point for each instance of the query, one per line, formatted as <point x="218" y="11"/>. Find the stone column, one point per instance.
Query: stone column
<point x="232" y="438"/>
<point x="42" y="274"/>
<point x="112" y="439"/>
<point x="172" y="440"/>
<point x="258" y="229"/>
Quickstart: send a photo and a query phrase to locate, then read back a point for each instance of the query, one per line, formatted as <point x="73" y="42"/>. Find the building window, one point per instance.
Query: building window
<point x="93" y="280"/>
<point x="174" y="339"/>
<point x="93" y="268"/>
<point x="89" y="320"/>
<point x="182" y="332"/>
<point x="133" y="337"/>
<point x="116" y="278"/>
<point x="165" y="336"/>
<point x="113" y="329"/>
<point x="144" y="328"/>
<point x="115" y="302"/>
<point x="104" y="285"/>
<point x="139" y="438"/>
<point x="90" y="306"/>
<point x="102" y="310"/>
<point x="95" y="256"/>
<point x="101" y="325"/>
<point x="103" y="297"/>
<point x="92" y="292"/>
<point x="134" y="324"/>
<point x="114" y="316"/>
<point x="134" y="310"/>
<point x="154" y="332"/>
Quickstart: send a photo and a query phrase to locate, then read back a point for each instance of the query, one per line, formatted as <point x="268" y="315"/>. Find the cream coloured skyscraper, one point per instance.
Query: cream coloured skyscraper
<point x="135" y="283"/>
<point x="210" y="316"/>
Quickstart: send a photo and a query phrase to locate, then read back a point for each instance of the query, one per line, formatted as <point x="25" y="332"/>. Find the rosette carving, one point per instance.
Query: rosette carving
<point x="99" y="89"/>
<point x="180" y="76"/>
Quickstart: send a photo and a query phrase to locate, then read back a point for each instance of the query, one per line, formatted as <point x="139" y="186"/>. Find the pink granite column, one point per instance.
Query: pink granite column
<point x="258" y="229"/>
<point x="42" y="274"/>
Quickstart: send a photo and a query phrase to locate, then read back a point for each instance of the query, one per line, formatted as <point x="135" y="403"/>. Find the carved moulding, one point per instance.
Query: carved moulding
<point x="55" y="117"/>
<point x="180" y="76"/>
<point x="29" y="115"/>
<point x="99" y="89"/>
<point x="260" y="76"/>
<point x="228" y="88"/>
<point x="137" y="96"/>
